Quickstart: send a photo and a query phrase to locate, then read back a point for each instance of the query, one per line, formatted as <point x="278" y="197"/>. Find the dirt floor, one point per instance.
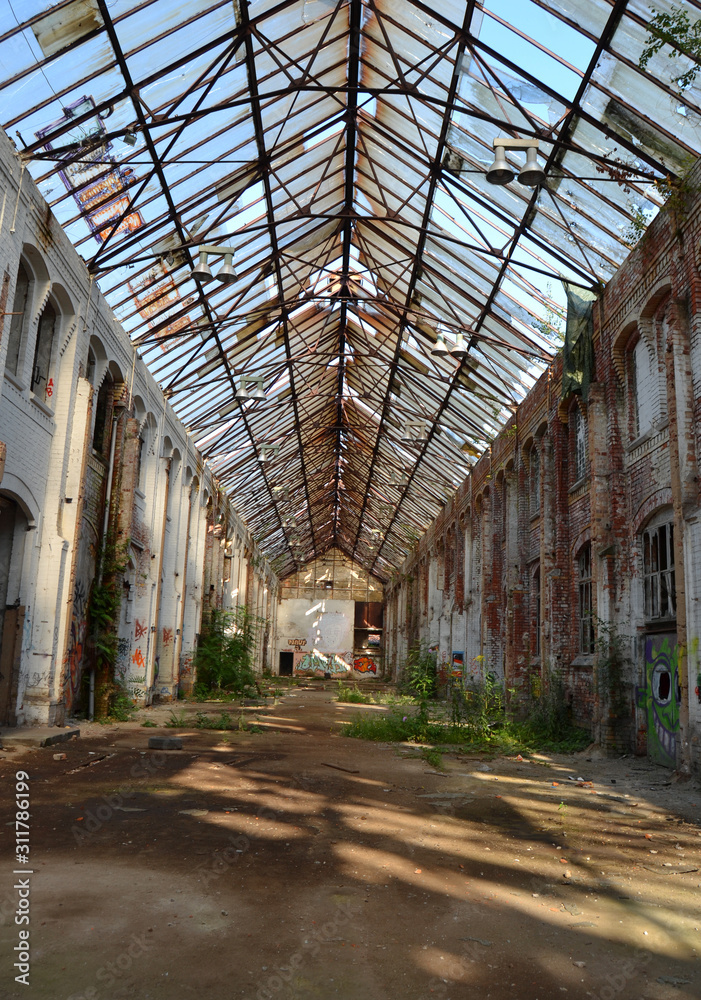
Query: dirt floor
<point x="297" y="863"/>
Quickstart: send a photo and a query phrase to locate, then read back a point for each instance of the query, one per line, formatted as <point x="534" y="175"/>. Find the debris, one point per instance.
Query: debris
<point x="89" y="763"/>
<point x="519" y="758"/>
<point x="338" y="767"/>
<point x="673" y="981"/>
<point x="580" y="965"/>
<point x="60" y="756"/>
<point x="417" y="871"/>
<point x="487" y="944"/>
<point x="193" y="812"/>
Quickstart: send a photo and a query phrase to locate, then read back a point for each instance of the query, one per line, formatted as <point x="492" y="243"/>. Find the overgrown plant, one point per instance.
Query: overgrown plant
<point x="104" y="608"/>
<point x="480" y="706"/>
<point x="674" y="28"/>
<point x="612" y="666"/>
<point x="224" y="656"/>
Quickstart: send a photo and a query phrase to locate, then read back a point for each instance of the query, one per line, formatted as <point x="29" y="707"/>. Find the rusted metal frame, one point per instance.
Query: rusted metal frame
<point x="536" y="44"/>
<point x="127" y="77"/>
<point x="379" y="132"/>
<point x="581" y="243"/>
<point x="437" y="54"/>
<point x="41" y="64"/>
<point x="260" y="140"/>
<point x="575" y="106"/>
<point x="498" y="213"/>
<point x="489" y="249"/>
<point x="489" y="75"/>
<point x="270" y="46"/>
<point x="531" y="347"/>
<point x="639" y="112"/>
<point x="153" y="77"/>
<point x="446" y="279"/>
<point x="221" y="62"/>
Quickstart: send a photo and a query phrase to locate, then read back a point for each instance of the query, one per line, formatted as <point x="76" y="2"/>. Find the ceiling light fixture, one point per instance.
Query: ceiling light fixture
<point x="415" y="432"/>
<point x="460" y="349"/>
<point x="501" y="172"/>
<point x="245" y="392"/>
<point x="440" y="348"/>
<point x="202" y="271"/>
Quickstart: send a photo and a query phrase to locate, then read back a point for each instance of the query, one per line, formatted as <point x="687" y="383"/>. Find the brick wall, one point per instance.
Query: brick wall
<point x="630" y="477"/>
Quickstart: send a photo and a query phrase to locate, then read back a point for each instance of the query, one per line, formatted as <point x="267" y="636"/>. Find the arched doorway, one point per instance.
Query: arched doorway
<point x="13" y="531"/>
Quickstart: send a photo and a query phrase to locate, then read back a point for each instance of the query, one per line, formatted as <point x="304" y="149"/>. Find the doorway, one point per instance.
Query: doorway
<point x="13" y="529"/>
<point x="661" y="697"/>
<point x="286" y="664"/>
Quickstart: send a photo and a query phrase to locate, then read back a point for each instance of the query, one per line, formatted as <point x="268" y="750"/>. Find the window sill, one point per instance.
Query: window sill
<point x="583" y="660"/>
<point x="535" y="517"/>
<point x="17" y="383"/>
<point x="41" y="405"/>
<point x="582" y="481"/>
<point x="651" y="432"/>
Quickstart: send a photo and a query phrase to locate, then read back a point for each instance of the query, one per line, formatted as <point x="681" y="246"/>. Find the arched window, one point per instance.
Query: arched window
<point x="42" y="383"/>
<point x="534" y="477"/>
<point x="536" y="609"/>
<point x="579" y="443"/>
<point x="584" y="600"/>
<point x="18" y="320"/>
<point x="103" y="405"/>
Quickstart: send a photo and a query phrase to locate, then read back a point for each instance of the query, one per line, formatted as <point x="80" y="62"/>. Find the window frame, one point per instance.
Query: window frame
<point x="659" y="571"/>
<point x="585" y="597"/>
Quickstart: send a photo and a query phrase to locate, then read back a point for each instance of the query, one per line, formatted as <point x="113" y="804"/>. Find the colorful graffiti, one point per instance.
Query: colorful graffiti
<point x="661" y="696"/>
<point x="167" y="636"/>
<point x="138" y="658"/>
<point x="139" y="629"/>
<point x="317" y="664"/>
<point x="364" y="665"/>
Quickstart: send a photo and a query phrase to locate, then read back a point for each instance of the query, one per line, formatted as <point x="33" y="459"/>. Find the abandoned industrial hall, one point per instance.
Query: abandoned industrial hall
<point x="382" y="320"/>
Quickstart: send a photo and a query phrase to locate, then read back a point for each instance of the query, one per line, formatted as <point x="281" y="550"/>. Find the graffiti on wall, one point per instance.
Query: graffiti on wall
<point x="122" y="662"/>
<point x="365" y="665"/>
<point x="140" y="629"/>
<point x="660" y="696"/>
<point x="316" y="664"/>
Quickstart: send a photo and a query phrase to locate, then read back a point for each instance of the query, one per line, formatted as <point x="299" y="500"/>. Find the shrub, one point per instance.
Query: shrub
<point x="223" y="659"/>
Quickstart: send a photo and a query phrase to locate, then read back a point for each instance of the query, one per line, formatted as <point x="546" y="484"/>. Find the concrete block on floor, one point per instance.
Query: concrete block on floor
<point x="165" y="743"/>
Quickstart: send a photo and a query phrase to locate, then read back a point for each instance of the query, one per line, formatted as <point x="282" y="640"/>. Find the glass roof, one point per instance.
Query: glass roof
<point x="340" y="149"/>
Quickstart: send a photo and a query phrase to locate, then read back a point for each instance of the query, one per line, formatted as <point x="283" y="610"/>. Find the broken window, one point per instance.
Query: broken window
<point x="580" y="443"/>
<point x="658" y="572"/>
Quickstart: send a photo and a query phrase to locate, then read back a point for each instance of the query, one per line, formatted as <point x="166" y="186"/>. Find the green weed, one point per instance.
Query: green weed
<point x="177" y="720"/>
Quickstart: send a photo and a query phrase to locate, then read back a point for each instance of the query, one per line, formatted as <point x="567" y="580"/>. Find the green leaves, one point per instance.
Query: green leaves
<point x="224" y="656"/>
<point x="684" y="38"/>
